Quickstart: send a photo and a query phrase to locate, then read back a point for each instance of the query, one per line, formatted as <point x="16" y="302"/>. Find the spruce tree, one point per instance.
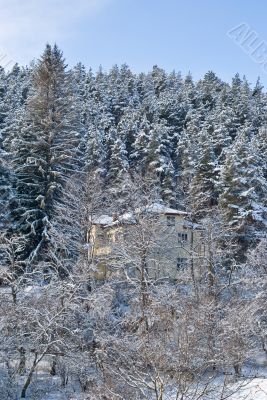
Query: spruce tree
<point x="44" y="152"/>
<point x="203" y="192"/>
<point x="243" y="190"/>
<point x="95" y="153"/>
<point x="5" y="191"/>
<point x="140" y="144"/>
<point x="259" y="143"/>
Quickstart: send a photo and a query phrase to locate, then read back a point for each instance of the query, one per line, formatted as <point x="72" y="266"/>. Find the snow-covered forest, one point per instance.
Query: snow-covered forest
<point x="75" y="145"/>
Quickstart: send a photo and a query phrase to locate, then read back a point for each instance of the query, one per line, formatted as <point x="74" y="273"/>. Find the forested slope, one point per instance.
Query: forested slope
<point x="75" y="145"/>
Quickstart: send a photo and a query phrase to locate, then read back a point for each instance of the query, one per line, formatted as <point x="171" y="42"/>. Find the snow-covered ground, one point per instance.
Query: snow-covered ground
<point x="47" y="387"/>
<point x="255" y="390"/>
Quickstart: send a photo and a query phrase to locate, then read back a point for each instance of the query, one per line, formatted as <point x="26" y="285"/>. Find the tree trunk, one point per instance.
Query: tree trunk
<point x="192" y="267"/>
<point x="22" y="361"/>
<point x="14" y="295"/>
<point x="53" y="366"/>
<point x="210" y="266"/>
<point x="29" y="378"/>
<point x="237" y="369"/>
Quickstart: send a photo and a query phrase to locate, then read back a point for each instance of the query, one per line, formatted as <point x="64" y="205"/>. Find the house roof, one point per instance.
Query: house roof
<point x="102" y="220"/>
<point x="129" y="218"/>
<point x="158" y="208"/>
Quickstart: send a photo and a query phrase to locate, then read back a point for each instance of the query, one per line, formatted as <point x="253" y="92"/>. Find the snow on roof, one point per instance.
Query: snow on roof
<point x="128" y="217"/>
<point x="108" y="220"/>
<point x="102" y="220"/>
<point x="158" y="208"/>
<point x="192" y="225"/>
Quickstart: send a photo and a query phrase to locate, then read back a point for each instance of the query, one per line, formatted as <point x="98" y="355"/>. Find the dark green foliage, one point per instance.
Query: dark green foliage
<point x="44" y="151"/>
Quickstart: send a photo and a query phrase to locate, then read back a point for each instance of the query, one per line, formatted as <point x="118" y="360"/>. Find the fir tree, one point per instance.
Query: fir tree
<point x="243" y="190"/>
<point x="44" y="152"/>
<point x="140" y="144"/>
<point x="202" y="192"/>
<point x="5" y="191"/>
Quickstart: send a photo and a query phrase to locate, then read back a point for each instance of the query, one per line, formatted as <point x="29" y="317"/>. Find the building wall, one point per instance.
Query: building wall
<point x="174" y="245"/>
<point x="179" y="246"/>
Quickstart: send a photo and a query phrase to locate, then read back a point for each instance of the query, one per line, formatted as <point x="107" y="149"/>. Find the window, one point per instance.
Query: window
<point x="102" y="237"/>
<point x="181" y="262"/>
<point x="182" y="237"/>
<point x="170" y="220"/>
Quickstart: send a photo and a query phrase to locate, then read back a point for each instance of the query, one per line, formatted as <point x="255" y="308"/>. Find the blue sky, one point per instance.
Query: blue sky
<point x="174" y="34"/>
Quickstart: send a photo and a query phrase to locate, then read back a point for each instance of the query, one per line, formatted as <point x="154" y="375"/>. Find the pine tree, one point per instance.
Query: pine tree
<point x="189" y="92"/>
<point x="3" y="90"/>
<point x="15" y="88"/>
<point x="44" y="152"/>
<point x="140" y="144"/>
<point x="208" y="91"/>
<point x="128" y="128"/>
<point x="5" y="191"/>
<point x="168" y="192"/>
<point x="243" y="190"/>
<point x="78" y="81"/>
<point x="160" y="79"/>
<point x="258" y="107"/>
<point x="186" y="152"/>
<point x="118" y="163"/>
<point x="203" y="192"/>
<point x="158" y="149"/>
<point x="95" y="152"/>
<point x="224" y="127"/>
<point x="240" y="101"/>
<point x="118" y="178"/>
<point x="259" y="143"/>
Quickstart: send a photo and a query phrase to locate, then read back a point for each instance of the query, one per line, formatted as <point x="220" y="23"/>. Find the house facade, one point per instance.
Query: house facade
<point x="160" y="240"/>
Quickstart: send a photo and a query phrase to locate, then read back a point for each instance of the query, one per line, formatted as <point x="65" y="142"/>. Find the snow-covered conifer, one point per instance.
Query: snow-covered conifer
<point x="44" y="151"/>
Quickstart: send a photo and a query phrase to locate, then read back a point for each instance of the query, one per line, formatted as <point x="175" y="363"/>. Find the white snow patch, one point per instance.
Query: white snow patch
<point x="102" y="220"/>
<point x="255" y="390"/>
<point x="158" y="208"/>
